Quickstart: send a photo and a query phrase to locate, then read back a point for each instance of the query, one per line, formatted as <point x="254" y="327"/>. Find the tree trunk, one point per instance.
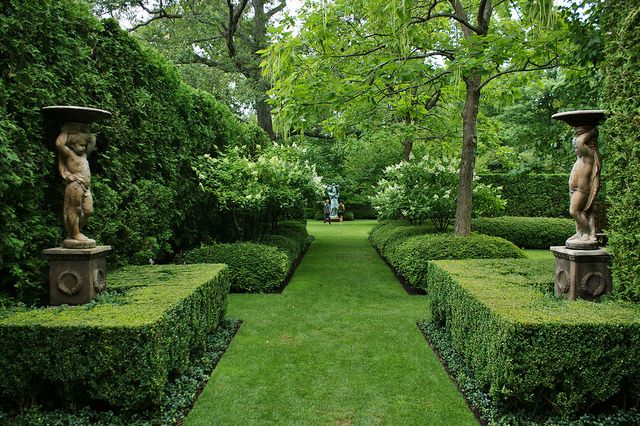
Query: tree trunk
<point x="467" y="163"/>
<point x="263" y="112"/>
<point x="407" y="146"/>
<point x="263" y="109"/>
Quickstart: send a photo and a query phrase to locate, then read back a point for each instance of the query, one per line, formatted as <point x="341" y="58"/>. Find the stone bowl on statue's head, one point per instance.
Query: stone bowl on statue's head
<point x="75" y="114"/>
<point x="587" y="117"/>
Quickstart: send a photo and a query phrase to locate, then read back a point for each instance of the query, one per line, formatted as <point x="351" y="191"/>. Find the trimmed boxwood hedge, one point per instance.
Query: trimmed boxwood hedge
<point x="534" y="351"/>
<point x="539" y="195"/>
<point x="412" y="257"/>
<point x="527" y="232"/>
<point x="287" y="245"/>
<point x="121" y="348"/>
<point x="293" y="229"/>
<point x="387" y="237"/>
<point x="254" y="268"/>
<point x="621" y="96"/>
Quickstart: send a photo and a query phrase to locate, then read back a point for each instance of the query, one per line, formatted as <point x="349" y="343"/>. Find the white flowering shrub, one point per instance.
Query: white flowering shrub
<point x="260" y="189"/>
<point x="427" y="189"/>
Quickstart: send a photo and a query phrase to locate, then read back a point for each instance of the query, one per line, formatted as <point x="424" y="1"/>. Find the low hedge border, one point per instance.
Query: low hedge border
<point x="408" y="250"/>
<point x="529" y="350"/>
<point x="277" y="256"/>
<point x="179" y="395"/>
<point x="253" y="268"/>
<point x="412" y="257"/>
<point x="487" y="411"/>
<point x="119" y="350"/>
<point x="527" y="232"/>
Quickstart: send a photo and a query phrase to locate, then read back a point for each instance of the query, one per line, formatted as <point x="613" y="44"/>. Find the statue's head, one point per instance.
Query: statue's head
<point x="78" y="137"/>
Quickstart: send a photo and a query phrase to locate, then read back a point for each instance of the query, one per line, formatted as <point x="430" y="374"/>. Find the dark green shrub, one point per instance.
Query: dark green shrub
<point x="348" y="216"/>
<point x="530" y="350"/>
<point x="527" y="232"/>
<point x="253" y="268"/>
<point x="319" y="215"/>
<point x="383" y="227"/>
<point x="295" y="230"/>
<point x="121" y="348"/>
<point x="148" y="202"/>
<point x="387" y="238"/>
<point x="287" y="245"/>
<point x="621" y="97"/>
<point x="535" y="195"/>
<point x="412" y="257"/>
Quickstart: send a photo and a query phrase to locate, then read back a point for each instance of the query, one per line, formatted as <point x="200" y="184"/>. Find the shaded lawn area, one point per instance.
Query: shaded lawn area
<point x="339" y="346"/>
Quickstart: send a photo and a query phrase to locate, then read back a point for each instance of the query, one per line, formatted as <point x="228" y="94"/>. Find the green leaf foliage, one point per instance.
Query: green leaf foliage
<point x="621" y="96"/>
<point x="287" y="245"/>
<point x="410" y="249"/>
<point x="253" y="268"/>
<point x="119" y="349"/>
<point x="539" y="195"/>
<point x="294" y="230"/>
<point x="530" y="350"/>
<point x="147" y="201"/>
<point x="527" y="232"/>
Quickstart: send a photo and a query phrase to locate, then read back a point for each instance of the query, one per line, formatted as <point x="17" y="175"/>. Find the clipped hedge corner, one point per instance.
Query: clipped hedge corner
<point x="121" y="348"/>
<point x="534" y="351"/>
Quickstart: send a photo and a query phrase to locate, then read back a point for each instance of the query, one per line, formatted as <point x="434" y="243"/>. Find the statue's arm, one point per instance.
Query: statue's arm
<point x="64" y="152"/>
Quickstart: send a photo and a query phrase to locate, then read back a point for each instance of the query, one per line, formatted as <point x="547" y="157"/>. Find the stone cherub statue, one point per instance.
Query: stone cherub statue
<point x="74" y="144"/>
<point x="584" y="183"/>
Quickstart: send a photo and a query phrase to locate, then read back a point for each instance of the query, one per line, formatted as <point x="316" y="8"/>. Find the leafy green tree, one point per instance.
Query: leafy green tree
<point x="215" y="41"/>
<point x="259" y="191"/>
<point x="406" y="48"/>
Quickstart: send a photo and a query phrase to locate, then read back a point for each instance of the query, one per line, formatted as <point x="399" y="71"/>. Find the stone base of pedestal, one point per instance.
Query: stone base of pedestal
<point x="76" y="275"/>
<point x="581" y="274"/>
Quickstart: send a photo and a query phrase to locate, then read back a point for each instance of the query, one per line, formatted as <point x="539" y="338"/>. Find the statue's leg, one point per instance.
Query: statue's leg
<point x="576" y="209"/>
<point x="73" y="209"/>
<point x="87" y="207"/>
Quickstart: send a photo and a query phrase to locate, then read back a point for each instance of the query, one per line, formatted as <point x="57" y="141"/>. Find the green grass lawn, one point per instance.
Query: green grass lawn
<point x="339" y="346"/>
<point x="539" y="254"/>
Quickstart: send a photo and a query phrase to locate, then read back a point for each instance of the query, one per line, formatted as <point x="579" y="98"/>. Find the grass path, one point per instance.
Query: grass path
<point x="338" y="347"/>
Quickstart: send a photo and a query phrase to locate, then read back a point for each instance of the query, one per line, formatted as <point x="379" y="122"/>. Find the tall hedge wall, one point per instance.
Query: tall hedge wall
<point x="540" y="195"/>
<point x="621" y="96"/>
<point x="147" y="201"/>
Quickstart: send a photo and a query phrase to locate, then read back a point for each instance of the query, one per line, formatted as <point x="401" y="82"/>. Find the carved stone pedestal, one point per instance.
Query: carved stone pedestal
<point x="76" y="275"/>
<point x="581" y="274"/>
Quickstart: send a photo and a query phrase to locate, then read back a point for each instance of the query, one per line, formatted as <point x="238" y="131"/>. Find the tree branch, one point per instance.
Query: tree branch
<point x="552" y="63"/>
<point x="159" y="13"/>
<point x="463" y="21"/>
<point x="276" y="9"/>
<point x="351" y="55"/>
